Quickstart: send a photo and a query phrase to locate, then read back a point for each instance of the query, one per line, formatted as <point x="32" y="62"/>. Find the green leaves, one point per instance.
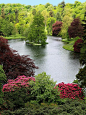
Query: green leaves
<point x="42" y="89"/>
<point x="37" y="30"/>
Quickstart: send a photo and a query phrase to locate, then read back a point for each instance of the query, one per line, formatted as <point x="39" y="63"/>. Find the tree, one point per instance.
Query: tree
<point x="37" y="30"/>
<point x="2" y="79"/>
<point x="78" y="44"/>
<point x="81" y="76"/>
<point x="75" y="29"/>
<point x="56" y="28"/>
<point x="66" y="21"/>
<point x="16" y="15"/>
<point x="7" y="28"/>
<point x="45" y="15"/>
<point x="34" y="11"/>
<point x="58" y="17"/>
<point x="51" y="13"/>
<point x="2" y="13"/>
<point x="47" y="4"/>
<point x="14" y="64"/>
<point x="50" y="22"/>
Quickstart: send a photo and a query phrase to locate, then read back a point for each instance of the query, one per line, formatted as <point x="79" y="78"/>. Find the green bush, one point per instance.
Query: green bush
<point x="43" y="89"/>
<point x="16" y="99"/>
<point x="2" y="79"/>
<point x="70" y="107"/>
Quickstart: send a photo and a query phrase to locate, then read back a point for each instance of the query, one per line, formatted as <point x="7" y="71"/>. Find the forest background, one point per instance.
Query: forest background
<point x="15" y="19"/>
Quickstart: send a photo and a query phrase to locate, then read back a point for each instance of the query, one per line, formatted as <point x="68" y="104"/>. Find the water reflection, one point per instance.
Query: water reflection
<point x="61" y="64"/>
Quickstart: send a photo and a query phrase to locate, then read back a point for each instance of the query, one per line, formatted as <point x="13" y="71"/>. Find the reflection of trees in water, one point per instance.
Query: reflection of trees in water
<point x="74" y="55"/>
<point x="38" y="51"/>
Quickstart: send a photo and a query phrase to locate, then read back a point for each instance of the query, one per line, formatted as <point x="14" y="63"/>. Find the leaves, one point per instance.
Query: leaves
<point x="13" y="63"/>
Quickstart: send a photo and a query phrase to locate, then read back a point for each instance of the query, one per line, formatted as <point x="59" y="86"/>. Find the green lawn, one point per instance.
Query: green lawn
<point x="69" y="45"/>
<point x="17" y="36"/>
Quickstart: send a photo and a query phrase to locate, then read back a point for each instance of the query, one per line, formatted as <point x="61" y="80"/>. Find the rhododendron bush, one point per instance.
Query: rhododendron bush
<point x="17" y="92"/>
<point x="19" y="82"/>
<point x="70" y="90"/>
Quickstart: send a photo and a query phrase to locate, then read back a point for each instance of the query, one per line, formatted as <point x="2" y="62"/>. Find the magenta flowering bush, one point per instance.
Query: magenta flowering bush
<point x="19" y="82"/>
<point x="70" y="90"/>
<point x="17" y="92"/>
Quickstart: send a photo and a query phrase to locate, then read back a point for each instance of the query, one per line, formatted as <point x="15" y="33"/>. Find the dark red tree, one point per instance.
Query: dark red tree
<point x="14" y="64"/>
<point x="78" y="44"/>
<point x="56" y="28"/>
<point x="76" y="29"/>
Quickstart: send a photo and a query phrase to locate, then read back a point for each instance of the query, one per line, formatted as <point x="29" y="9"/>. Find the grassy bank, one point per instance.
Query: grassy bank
<point x="17" y="36"/>
<point x="69" y="44"/>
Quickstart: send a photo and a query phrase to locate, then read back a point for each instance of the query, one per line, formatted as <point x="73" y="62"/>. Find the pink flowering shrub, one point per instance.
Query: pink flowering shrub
<point x="19" y="82"/>
<point x="17" y="92"/>
<point x="70" y="90"/>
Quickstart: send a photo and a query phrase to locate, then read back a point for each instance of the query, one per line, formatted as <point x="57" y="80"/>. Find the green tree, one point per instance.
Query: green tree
<point x="81" y="76"/>
<point x="7" y="28"/>
<point x="45" y="15"/>
<point x="2" y="79"/>
<point x="37" y="30"/>
<point x="50" y="22"/>
<point x="43" y="89"/>
<point x="58" y="16"/>
<point x="34" y="11"/>
<point x="2" y="13"/>
<point x="66" y="23"/>
<point x="16" y="15"/>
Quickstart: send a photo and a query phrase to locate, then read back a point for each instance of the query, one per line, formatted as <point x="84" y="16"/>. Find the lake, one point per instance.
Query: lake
<point x="60" y="64"/>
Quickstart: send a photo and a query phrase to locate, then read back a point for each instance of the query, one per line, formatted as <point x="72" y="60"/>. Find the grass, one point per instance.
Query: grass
<point x="17" y="36"/>
<point x="69" y="44"/>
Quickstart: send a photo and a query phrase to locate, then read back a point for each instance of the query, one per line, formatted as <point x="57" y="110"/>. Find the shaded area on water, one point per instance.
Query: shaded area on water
<point x="61" y="64"/>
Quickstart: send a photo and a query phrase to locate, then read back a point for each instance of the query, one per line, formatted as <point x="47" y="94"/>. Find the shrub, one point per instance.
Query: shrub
<point x="70" y="107"/>
<point x="2" y="79"/>
<point x="42" y="89"/>
<point x="14" y="64"/>
<point x="75" y="29"/>
<point x="56" y="28"/>
<point x="78" y="44"/>
<point x="70" y="90"/>
<point x="17" y="92"/>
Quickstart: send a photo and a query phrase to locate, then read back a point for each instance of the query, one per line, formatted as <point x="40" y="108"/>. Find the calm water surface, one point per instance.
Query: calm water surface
<point x="61" y="64"/>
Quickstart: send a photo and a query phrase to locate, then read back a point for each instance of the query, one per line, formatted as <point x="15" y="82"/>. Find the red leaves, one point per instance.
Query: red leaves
<point x="70" y="90"/>
<point x="14" y="64"/>
<point x="77" y="45"/>
<point x="76" y="29"/>
<point x="56" y="28"/>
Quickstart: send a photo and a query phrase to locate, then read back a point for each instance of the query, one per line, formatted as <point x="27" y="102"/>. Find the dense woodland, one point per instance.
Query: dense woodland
<point x="17" y="18"/>
<point x="40" y="95"/>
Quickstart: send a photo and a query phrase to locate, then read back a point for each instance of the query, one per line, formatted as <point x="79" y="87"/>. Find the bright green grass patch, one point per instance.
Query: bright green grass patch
<point x="17" y="36"/>
<point x="69" y="46"/>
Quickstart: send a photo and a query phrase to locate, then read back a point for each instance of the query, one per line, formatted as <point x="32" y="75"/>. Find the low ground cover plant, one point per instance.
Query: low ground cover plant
<point x="70" y="107"/>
